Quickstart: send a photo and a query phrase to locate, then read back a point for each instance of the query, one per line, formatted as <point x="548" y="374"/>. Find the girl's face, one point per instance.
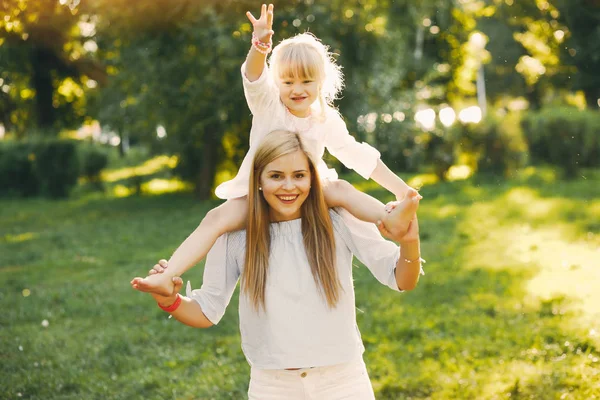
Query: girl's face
<point x="297" y="94"/>
<point x="285" y="184"/>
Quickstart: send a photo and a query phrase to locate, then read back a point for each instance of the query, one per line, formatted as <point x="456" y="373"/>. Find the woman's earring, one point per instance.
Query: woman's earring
<point x="259" y="188"/>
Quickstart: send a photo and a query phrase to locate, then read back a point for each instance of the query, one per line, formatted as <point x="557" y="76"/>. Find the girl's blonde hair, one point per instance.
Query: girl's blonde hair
<point x="317" y="228"/>
<point x="304" y="56"/>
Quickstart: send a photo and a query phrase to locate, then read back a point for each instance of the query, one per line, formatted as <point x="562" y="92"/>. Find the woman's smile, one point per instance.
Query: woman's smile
<point x="287" y="198"/>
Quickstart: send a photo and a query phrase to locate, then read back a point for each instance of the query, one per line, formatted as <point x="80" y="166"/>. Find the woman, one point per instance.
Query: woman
<point x="297" y="309"/>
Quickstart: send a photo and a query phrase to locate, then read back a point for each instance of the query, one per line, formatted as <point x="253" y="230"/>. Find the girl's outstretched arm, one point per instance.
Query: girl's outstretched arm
<point x="255" y="61"/>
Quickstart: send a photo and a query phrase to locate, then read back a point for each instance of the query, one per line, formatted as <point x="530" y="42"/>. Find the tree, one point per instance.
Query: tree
<point x="45" y="65"/>
<point x="582" y="17"/>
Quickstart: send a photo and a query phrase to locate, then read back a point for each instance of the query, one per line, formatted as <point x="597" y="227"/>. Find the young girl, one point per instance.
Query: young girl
<point x="294" y="94"/>
<point x="294" y="263"/>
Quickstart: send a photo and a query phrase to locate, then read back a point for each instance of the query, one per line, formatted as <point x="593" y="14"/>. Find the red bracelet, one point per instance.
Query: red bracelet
<point x="173" y="306"/>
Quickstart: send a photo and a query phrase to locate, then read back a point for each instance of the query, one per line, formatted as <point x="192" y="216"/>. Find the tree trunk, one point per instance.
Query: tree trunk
<point x="533" y="96"/>
<point x="43" y="63"/>
<point x="592" y="98"/>
<point x="208" y="163"/>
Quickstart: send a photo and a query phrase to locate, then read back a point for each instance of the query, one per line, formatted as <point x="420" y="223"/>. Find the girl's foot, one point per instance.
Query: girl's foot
<point x="161" y="284"/>
<point x="397" y="220"/>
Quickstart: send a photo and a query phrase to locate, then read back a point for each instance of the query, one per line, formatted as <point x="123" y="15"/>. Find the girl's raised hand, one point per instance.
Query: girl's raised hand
<point x="263" y="26"/>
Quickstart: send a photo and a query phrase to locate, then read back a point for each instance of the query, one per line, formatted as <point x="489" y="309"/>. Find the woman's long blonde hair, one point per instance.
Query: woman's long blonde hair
<point x="317" y="228"/>
<point x="304" y="56"/>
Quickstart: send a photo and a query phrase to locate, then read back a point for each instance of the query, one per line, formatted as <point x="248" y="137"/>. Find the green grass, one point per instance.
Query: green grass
<point x="508" y="308"/>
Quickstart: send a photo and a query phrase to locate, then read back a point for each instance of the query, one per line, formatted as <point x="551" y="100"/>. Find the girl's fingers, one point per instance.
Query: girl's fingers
<point x="263" y="11"/>
<point x="251" y="17"/>
<point x="270" y="16"/>
<point x="152" y="272"/>
<point x="163" y="263"/>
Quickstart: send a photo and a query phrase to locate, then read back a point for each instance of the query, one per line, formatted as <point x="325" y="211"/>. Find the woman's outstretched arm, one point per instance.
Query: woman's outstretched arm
<point x="188" y="312"/>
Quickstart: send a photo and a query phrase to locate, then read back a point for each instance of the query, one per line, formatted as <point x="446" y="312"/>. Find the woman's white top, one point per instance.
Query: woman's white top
<point x="270" y="114"/>
<point x="297" y="328"/>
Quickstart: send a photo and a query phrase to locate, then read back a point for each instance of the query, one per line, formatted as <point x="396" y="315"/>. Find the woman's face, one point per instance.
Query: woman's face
<point x="285" y="184"/>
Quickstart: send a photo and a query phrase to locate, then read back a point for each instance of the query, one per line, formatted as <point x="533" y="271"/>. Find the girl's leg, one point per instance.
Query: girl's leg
<point x="340" y="193"/>
<point x="228" y="217"/>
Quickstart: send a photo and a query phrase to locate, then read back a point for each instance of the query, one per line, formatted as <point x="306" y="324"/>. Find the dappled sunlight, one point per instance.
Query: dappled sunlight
<point x="569" y="269"/>
<point x="418" y="181"/>
<point x="22" y="237"/>
<point x="594" y="210"/>
<point x="563" y="263"/>
<point x="527" y="204"/>
<point x="366" y="186"/>
<point x="535" y="379"/>
<point x="223" y="175"/>
<point x="530" y="205"/>
<point x="459" y="172"/>
<point x="450" y="210"/>
<point x="510" y="375"/>
<point x="547" y="175"/>
<point x="153" y="187"/>
<point x="161" y="186"/>
<point x="148" y="168"/>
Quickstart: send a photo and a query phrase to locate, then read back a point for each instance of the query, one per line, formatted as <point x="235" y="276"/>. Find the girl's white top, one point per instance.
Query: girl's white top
<point x="270" y="114"/>
<point x="297" y="329"/>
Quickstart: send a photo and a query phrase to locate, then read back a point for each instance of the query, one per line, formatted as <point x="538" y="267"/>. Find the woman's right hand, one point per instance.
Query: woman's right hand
<point x="166" y="301"/>
<point x="263" y="26"/>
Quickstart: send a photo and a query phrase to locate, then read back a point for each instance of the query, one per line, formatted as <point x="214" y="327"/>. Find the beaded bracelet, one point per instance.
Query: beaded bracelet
<point x="261" y="47"/>
<point x="173" y="306"/>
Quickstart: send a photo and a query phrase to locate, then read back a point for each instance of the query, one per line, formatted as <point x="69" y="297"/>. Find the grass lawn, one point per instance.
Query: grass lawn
<point x="508" y="308"/>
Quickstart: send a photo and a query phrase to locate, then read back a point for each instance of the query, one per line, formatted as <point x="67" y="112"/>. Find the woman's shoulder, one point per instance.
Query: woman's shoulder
<point x="337" y="219"/>
<point x="236" y="241"/>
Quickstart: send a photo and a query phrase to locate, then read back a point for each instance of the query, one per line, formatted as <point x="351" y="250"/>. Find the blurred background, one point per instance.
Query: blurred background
<point x="119" y="117"/>
<point x="490" y="85"/>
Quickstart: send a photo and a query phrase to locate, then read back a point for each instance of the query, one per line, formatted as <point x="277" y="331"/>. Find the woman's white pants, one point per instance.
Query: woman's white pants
<point x="348" y="381"/>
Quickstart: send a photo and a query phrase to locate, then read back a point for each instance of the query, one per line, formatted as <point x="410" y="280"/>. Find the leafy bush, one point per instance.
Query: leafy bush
<point x="57" y="166"/>
<point x="566" y="137"/>
<point x="494" y="146"/>
<point x="92" y="160"/>
<point x="17" y="173"/>
<point x="440" y="152"/>
<point x="400" y="142"/>
<point x="48" y="167"/>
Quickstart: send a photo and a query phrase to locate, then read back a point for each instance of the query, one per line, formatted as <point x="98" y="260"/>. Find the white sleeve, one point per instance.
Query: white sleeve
<point x="379" y="255"/>
<point x="360" y="157"/>
<point x="261" y="94"/>
<point x="221" y="274"/>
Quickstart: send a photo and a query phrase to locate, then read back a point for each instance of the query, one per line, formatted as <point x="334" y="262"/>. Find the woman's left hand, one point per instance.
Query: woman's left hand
<point x="411" y="235"/>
